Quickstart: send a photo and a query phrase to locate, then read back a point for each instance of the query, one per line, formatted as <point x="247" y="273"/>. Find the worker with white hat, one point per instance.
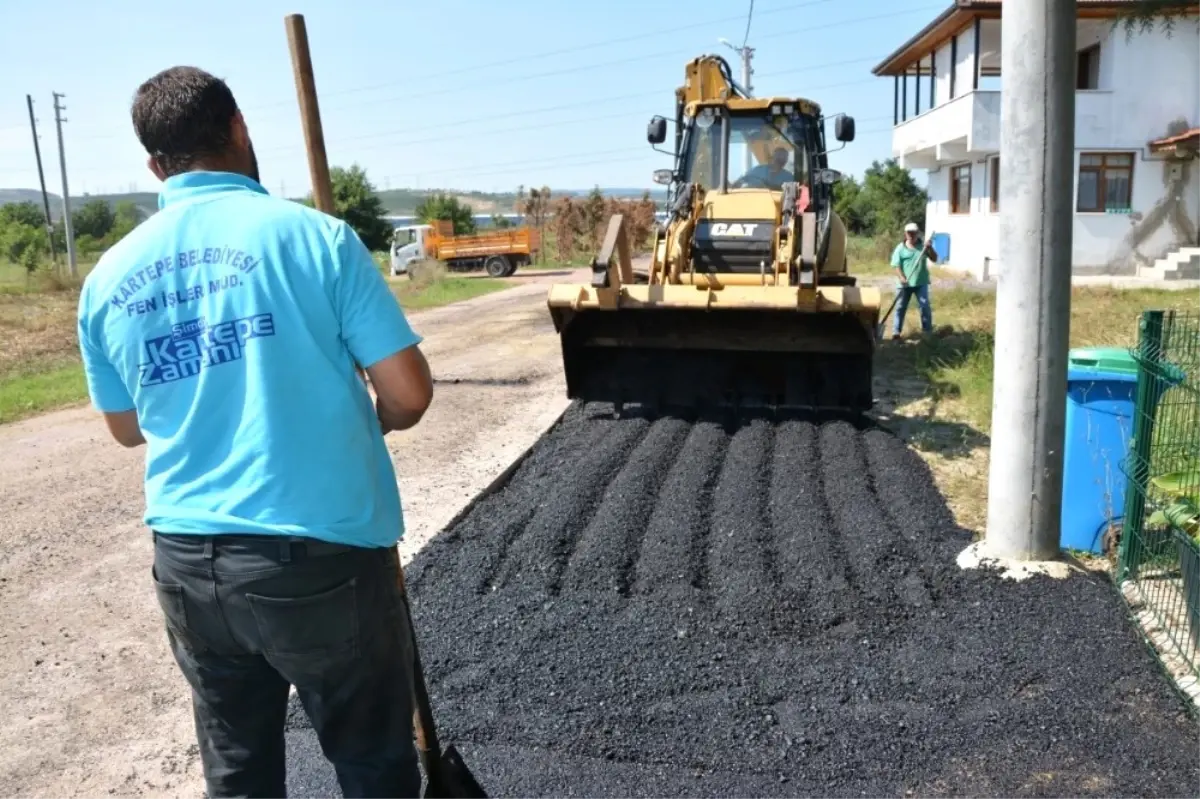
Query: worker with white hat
<point x="909" y="260"/>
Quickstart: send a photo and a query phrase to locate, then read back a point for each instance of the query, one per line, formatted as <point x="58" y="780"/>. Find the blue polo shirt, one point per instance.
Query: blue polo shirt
<point x="231" y="321"/>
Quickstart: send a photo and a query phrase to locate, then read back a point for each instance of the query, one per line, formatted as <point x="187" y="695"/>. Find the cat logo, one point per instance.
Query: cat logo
<point x="733" y="229"/>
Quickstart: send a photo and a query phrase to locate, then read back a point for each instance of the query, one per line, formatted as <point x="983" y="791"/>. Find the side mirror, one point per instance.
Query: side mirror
<point x="843" y="129"/>
<point x="663" y="177"/>
<point x="830" y="176"/>
<point x="656" y="131"/>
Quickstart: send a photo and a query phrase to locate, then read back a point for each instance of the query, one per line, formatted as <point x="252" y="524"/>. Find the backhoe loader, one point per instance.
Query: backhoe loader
<point x="747" y="300"/>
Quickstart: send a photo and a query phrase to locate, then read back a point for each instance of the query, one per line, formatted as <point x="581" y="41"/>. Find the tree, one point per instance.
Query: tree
<point x="356" y="203"/>
<point x="499" y="221"/>
<point x="24" y="213"/>
<point x="888" y="199"/>
<point x="126" y="216"/>
<point x="535" y="207"/>
<point x="444" y="207"/>
<point x="95" y="219"/>
<point x="23" y="244"/>
<point x="1141" y="17"/>
<point x="846" y="204"/>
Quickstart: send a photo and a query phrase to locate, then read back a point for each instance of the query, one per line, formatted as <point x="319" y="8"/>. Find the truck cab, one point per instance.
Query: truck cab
<point x="408" y="246"/>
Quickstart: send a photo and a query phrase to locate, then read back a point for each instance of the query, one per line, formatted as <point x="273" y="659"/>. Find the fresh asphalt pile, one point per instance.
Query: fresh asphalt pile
<point x="766" y="607"/>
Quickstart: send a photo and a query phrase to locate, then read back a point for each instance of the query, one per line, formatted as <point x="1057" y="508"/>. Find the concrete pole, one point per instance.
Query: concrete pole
<point x="68" y="227"/>
<point x="747" y="54"/>
<point x="1033" y="296"/>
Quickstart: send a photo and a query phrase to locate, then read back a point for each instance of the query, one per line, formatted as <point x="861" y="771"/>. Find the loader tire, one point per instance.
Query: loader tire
<point x="497" y="266"/>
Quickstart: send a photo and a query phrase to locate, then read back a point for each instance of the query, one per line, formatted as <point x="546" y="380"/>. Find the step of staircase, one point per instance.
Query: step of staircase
<point x="1183" y="264"/>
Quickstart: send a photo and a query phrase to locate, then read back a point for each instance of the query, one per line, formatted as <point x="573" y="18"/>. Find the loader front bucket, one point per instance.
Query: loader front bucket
<point x="681" y="346"/>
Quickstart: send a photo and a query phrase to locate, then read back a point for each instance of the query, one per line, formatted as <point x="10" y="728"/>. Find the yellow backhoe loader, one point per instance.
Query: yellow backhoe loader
<point x="747" y="299"/>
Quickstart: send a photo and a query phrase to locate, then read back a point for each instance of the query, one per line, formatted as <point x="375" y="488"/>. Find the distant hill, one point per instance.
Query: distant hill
<point x="145" y="200"/>
<point x="399" y="202"/>
<point x="404" y="202"/>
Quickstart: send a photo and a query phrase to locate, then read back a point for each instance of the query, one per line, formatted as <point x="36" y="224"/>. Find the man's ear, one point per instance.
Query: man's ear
<point x="152" y="162"/>
<point x="239" y="132"/>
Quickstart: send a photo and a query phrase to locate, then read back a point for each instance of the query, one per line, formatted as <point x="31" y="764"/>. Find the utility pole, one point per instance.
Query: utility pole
<point x="37" y="153"/>
<point x="310" y="113"/>
<point x="747" y="55"/>
<point x="66" y="195"/>
<point x="1033" y="295"/>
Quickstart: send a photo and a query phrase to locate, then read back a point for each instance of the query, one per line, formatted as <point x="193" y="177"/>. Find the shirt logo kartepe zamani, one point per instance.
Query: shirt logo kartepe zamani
<point x="196" y="344"/>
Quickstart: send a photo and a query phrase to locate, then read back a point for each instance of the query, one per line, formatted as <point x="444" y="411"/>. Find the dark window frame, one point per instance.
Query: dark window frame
<point x="994" y="183"/>
<point x="960" y="205"/>
<point x="1084" y="72"/>
<point x="1101" y="171"/>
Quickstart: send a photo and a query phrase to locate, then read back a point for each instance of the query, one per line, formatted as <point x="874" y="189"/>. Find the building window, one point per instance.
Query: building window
<point x="994" y="183"/>
<point x="1105" y="182"/>
<point x="960" y="189"/>
<point x="1087" y="68"/>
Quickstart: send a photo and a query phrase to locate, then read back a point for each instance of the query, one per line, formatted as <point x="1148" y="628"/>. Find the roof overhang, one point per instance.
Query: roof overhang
<point x="963" y="13"/>
<point x="1179" y="144"/>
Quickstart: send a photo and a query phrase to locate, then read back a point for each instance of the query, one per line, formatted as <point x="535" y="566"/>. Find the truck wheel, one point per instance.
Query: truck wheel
<point x="497" y="266"/>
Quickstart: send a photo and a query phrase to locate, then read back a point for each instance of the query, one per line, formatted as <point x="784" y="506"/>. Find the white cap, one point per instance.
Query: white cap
<point x="911" y="227"/>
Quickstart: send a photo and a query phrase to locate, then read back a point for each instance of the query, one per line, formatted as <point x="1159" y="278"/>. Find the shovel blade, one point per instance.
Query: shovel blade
<point x="452" y="779"/>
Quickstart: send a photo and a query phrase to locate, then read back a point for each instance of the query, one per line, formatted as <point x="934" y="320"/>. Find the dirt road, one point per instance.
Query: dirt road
<point x="94" y="703"/>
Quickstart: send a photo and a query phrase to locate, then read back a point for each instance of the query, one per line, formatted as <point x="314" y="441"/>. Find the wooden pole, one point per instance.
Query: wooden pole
<point x="310" y="118"/>
<point x="310" y="114"/>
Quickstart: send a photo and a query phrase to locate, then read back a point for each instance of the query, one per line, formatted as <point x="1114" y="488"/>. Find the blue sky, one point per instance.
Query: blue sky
<point x="458" y="94"/>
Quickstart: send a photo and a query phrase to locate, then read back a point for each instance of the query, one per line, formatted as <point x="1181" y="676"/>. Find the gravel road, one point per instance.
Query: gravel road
<point x="769" y="607"/>
<point x="94" y="703"/>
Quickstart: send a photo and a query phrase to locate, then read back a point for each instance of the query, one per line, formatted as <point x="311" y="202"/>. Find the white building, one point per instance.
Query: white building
<point x="1137" y="135"/>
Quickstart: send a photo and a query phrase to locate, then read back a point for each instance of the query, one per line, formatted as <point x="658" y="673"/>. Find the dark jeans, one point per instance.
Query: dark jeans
<point x="903" y="294"/>
<point x="247" y="616"/>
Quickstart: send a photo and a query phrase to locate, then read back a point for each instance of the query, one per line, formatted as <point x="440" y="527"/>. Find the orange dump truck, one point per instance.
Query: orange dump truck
<point x="498" y="252"/>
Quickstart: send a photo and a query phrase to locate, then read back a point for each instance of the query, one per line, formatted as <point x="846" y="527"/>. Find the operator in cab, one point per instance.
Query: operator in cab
<point x="225" y="333"/>
<point x="771" y="175"/>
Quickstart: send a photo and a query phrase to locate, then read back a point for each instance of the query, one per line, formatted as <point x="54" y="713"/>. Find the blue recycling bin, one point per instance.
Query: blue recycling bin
<point x="1101" y="395"/>
<point x="941" y="246"/>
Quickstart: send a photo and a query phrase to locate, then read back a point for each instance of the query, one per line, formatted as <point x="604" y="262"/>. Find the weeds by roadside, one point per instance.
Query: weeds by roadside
<point x="936" y="390"/>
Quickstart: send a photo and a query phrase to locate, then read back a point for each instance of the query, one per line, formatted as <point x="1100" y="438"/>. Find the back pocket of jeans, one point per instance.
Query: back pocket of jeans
<point x="170" y="600"/>
<point x="324" y="624"/>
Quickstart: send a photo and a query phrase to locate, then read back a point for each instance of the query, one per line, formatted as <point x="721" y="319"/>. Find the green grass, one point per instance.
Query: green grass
<point x="26" y="394"/>
<point x="414" y="296"/>
<point x="957" y="366"/>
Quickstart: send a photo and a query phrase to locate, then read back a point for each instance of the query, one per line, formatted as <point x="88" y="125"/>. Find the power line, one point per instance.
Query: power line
<point x="542" y="126"/>
<point x="441" y="74"/>
<point x="675" y="53"/>
<point x="572" y="160"/>
<point x="565" y="107"/>
<point x="749" y="17"/>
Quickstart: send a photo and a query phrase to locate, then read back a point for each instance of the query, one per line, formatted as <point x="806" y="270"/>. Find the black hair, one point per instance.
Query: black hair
<point x="183" y="114"/>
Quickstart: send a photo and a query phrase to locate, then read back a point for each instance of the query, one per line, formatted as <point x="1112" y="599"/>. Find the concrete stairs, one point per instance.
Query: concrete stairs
<point x="1183" y="264"/>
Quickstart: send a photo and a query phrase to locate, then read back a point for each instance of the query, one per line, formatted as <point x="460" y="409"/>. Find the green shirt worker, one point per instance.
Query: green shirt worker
<point x="910" y="259"/>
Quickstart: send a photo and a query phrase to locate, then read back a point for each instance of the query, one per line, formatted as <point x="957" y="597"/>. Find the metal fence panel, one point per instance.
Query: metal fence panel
<point x="1159" y="559"/>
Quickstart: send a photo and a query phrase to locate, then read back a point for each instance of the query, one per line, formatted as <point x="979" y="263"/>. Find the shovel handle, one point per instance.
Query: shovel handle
<point x="428" y="747"/>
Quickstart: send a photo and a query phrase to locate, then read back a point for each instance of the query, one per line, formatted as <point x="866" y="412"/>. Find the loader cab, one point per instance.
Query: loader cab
<point x="750" y="145"/>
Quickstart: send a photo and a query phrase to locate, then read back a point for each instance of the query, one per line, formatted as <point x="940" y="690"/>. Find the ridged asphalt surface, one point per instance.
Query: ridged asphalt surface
<point x="766" y="608"/>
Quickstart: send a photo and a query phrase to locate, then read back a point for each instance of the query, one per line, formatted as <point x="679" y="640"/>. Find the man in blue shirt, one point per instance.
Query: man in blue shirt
<point x="224" y="333"/>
